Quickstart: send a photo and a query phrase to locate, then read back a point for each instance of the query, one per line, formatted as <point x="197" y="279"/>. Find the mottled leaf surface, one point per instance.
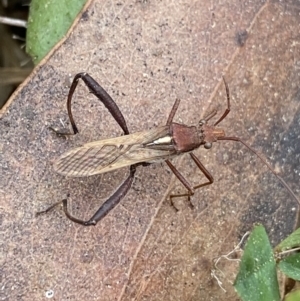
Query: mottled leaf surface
<point x="146" y="54"/>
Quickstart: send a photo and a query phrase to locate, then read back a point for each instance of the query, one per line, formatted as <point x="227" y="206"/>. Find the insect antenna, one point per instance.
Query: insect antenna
<point x="282" y="181"/>
<point x="226" y="112"/>
<point x="228" y="104"/>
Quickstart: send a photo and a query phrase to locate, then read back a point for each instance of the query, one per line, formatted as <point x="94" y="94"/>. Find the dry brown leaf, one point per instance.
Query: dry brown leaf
<point x="145" y="54"/>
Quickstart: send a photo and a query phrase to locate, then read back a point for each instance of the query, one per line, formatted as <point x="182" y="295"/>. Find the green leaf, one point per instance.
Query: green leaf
<point x="48" y="22"/>
<point x="293" y="296"/>
<point x="257" y="278"/>
<point x="291" y="266"/>
<point x="292" y="241"/>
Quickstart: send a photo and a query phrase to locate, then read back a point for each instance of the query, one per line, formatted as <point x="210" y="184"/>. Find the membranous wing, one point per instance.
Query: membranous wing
<point x="110" y="154"/>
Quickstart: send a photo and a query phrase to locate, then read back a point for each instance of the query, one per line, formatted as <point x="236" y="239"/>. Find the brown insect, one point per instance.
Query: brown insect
<point x="141" y="148"/>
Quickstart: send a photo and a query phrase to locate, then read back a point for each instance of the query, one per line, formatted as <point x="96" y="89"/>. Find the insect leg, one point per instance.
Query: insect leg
<point x="173" y="111"/>
<point x="191" y="190"/>
<point x="105" y="208"/>
<point x="102" y="95"/>
<point x="185" y="183"/>
<point x="205" y="172"/>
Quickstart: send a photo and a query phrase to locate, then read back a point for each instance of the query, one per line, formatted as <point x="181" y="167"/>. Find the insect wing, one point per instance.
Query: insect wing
<point x="110" y="154"/>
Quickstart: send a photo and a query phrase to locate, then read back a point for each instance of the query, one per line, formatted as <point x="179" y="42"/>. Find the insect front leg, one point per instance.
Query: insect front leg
<point x="205" y="172"/>
<point x="173" y="111"/>
<point x="191" y="189"/>
<point x="101" y="94"/>
<point x="185" y="183"/>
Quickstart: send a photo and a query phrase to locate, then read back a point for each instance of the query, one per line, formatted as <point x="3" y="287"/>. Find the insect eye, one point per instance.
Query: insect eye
<point x="202" y="122"/>
<point x="208" y="145"/>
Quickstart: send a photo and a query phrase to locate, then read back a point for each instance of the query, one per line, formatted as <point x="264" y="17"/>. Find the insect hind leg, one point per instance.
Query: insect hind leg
<point x="105" y="208"/>
<point x="101" y="94"/>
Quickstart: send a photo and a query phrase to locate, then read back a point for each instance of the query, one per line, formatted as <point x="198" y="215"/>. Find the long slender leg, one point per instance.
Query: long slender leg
<point x="180" y="177"/>
<point x="105" y="208"/>
<point x="228" y="104"/>
<point x="204" y="171"/>
<point x="191" y="190"/>
<point x="109" y="204"/>
<point x="185" y="183"/>
<point x="173" y="111"/>
<point x="102" y="95"/>
<point x="109" y="103"/>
